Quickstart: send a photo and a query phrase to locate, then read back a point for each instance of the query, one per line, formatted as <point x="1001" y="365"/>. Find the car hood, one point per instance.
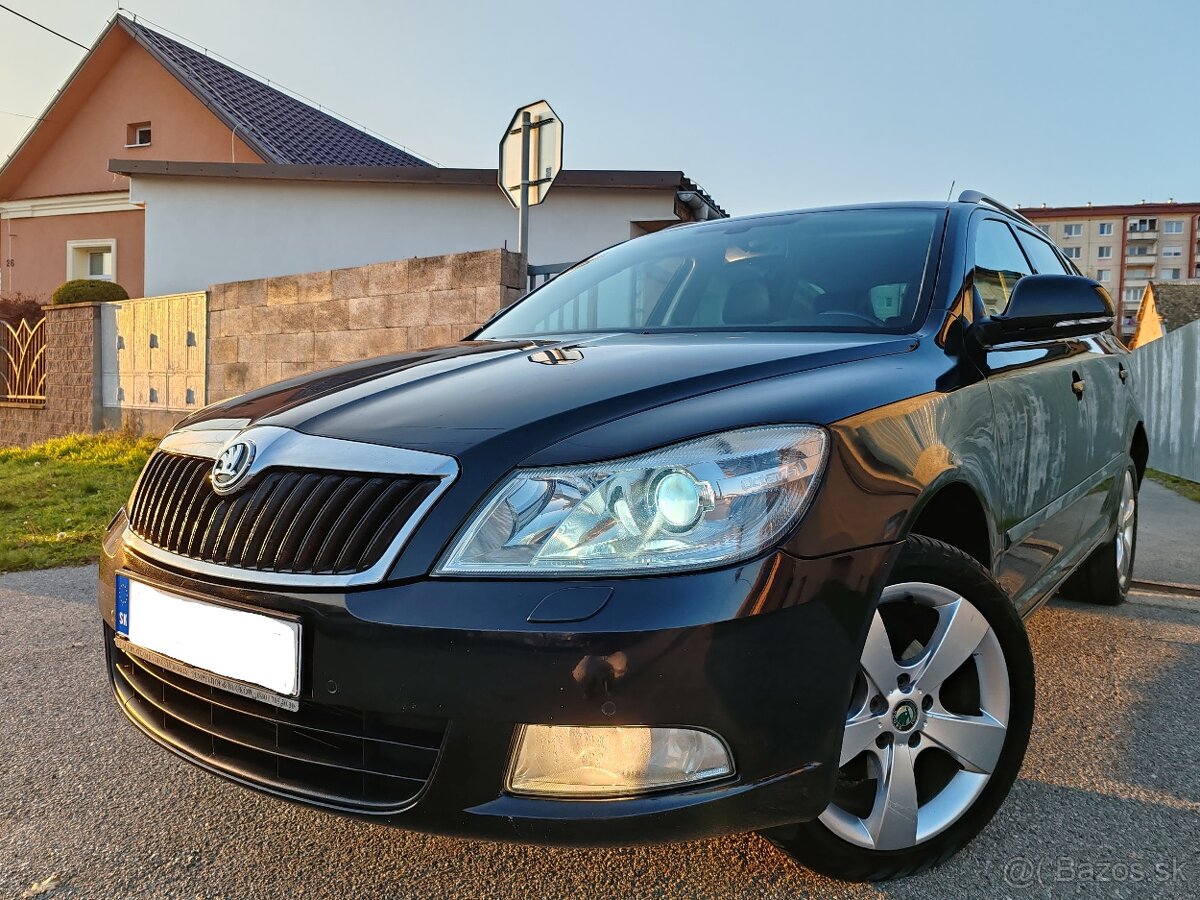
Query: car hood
<point x="508" y="399"/>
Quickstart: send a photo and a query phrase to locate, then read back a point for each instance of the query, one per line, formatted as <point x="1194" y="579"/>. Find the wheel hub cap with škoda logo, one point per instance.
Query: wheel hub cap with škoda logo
<point x="904" y="716"/>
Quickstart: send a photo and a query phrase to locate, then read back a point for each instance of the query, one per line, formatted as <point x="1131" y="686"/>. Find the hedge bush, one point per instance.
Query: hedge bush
<point x="82" y="290"/>
<point x="20" y="306"/>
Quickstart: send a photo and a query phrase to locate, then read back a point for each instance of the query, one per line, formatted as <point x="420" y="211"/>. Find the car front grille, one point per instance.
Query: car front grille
<point x="289" y="520"/>
<point x="346" y="760"/>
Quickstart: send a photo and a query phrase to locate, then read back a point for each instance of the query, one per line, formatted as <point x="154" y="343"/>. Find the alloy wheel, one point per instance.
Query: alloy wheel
<point x="927" y="721"/>
<point x="1126" y="525"/>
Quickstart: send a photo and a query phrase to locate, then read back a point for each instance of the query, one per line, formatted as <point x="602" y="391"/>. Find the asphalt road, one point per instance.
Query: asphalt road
<point x="1108" y="803"/>
<point x="1168" y="535"/>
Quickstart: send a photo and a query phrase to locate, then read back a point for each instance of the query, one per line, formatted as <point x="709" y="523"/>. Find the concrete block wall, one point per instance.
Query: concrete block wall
<point x="72" y="380"/>
<point x="259" y="332"/>
<point x="270" y="329"/>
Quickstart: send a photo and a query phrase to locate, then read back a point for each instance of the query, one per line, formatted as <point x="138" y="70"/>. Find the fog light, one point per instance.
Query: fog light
<point x="613" y="761"/>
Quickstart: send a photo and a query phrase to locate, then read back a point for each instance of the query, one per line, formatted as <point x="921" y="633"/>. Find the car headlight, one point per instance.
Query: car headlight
<point x="703" y="502"/>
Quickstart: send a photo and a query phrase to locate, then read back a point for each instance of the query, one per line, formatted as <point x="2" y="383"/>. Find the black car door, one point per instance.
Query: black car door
<point x="1102" y="402"/>
<point x="1041" y="430"/>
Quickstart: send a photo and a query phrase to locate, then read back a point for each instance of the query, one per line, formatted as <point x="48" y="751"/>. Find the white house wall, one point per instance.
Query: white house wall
<point x="203" y="231"/>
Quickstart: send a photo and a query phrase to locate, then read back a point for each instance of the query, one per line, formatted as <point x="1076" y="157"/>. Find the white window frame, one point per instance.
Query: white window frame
<point x="1104" y="252"/>
<point x="78" y="258"/>
<point x="1078" y="232"/>
<point x="137" y="131"/>
<point x="1172" y="252"/>
<point x="1171" y="274"/>
<point x="1173" y="226"/>
<point x="1103" y="226"/>
<point x="1104" y="275"/>
<point x="1044" y="229"/>
<point x="1072" y="252"/>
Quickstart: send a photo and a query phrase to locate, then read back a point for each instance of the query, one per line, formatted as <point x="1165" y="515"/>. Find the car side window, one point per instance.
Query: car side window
<point x="999" y="264"/>
<point x="1042" y="255"/>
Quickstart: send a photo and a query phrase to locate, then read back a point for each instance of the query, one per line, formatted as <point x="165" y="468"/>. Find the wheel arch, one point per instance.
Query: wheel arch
<point x="1139" y="450"/>
<point x="951" y="510"/>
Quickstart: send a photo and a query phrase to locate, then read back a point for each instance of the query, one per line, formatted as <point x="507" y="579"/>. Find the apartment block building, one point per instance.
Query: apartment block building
<point x="1126" y="247"/>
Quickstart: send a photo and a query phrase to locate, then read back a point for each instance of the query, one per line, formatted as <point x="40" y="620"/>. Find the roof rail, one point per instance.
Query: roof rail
<point x="980" y="197"/>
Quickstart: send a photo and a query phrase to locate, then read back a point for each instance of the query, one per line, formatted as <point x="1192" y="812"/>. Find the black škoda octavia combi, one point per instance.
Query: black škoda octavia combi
<point x="729" y="527"/>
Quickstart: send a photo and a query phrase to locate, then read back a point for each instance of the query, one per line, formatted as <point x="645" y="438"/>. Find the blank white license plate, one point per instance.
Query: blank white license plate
<point x="234" y="643"/>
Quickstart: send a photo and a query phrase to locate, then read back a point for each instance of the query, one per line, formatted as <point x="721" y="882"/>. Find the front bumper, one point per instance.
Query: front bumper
<point x="411" y="693"/>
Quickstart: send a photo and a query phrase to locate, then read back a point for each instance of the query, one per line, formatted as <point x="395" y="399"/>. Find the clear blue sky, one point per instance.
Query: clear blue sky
<point x="767" y="105"/>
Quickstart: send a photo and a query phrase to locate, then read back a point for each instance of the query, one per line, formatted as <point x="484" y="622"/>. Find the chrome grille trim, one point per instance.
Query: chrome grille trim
<point x="284" y="448"/>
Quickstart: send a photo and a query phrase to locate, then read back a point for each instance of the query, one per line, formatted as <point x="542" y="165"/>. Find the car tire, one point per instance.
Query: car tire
<point x="961" y="653"/>
<point x="1105" y="576"/>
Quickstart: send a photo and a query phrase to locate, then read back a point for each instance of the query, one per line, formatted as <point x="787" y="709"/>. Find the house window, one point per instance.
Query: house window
<point x="1073" y="230"/>
<point x="1175" y="227"/>
<point x="1139" y="225"/>
<point x="1072" y="252"/>
<point x="1104" y="275"/>
<point x="1172" y="251"/>
<point x="137" y="134"/>
<point x="92" y="259"/>
<point x="1133" y="294"/>
<point x="1168" y="274"/>
<point x="1137" y="250"/>
<point x="1106" y="228"/>
<point x="1104" y="252"/>
<point x="1045" y="229"/>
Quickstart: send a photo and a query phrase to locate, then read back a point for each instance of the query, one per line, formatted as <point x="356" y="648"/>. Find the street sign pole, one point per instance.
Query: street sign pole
<point x="523" y="212"/>
<point x="533" y="143"/>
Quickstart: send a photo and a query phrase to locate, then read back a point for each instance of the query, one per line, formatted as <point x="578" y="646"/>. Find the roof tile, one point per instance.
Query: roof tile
<point x="279" y="127"/>
<point x="1177" y="304"/>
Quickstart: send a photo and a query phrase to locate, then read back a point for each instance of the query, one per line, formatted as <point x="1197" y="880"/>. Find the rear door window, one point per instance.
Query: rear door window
<point x="999" y="264"/>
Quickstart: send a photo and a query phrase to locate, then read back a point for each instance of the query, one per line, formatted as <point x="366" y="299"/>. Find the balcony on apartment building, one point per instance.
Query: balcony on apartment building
<point x="1142" y="231"/>
<point x="1140" y="255"/>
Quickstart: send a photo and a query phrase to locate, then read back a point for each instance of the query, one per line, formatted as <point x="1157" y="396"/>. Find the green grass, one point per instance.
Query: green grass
<point x="57" y="497"/>
<point x="1189" y="489"/>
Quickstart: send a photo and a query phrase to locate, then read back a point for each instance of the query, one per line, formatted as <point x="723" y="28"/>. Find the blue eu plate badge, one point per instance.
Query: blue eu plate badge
<point x="122" y="616"/>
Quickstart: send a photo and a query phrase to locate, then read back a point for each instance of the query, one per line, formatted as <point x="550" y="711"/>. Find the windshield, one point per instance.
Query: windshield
<point x="836" y="270"/>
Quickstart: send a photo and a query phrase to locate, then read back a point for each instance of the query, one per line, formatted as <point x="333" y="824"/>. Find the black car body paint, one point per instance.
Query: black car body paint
<point x="763" y="652"/>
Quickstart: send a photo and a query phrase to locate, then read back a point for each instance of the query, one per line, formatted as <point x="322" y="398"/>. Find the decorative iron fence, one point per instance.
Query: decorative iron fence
<point x="24" y="365"/>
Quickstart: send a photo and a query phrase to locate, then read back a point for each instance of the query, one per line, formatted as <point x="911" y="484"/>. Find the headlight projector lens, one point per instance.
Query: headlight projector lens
<point x="677" y="499"/>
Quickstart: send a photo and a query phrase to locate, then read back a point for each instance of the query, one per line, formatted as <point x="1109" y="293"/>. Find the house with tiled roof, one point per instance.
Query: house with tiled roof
<point x="141" y="95"/>
<point x="167" y="170"/>
<point x="1166" y="306"/>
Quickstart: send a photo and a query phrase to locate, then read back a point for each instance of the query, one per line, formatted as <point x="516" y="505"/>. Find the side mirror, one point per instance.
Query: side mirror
<point x="1045" y="307"/>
